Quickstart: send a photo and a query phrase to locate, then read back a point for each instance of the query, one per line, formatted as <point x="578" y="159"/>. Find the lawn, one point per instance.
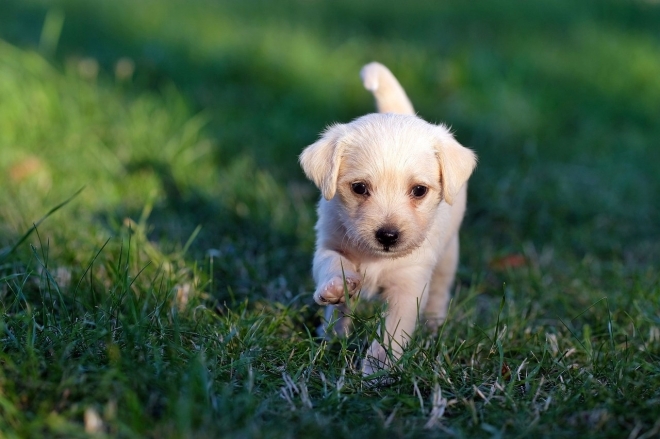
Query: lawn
<point x="156" y="232"/>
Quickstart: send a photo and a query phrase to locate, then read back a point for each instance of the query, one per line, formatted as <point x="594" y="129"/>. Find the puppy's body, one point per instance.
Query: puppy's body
<point x="394" y="195"/>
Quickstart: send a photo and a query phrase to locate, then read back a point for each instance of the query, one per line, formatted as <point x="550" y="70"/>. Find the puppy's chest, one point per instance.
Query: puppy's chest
<point x="371" y="288"/>
<point x="376" y="278"/>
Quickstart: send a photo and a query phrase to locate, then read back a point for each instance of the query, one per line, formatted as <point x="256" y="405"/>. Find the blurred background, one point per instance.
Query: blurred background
<point x="178" y="114"/>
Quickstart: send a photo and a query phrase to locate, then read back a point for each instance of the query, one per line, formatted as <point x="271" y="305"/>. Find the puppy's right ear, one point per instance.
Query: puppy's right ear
<point x="321" y="160"/>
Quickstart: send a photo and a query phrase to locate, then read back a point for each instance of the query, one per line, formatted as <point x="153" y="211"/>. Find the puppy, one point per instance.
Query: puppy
<point x="394" y="194"/>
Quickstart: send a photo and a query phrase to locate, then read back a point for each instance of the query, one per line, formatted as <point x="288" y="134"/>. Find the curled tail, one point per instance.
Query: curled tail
<point x="390" y="96"/>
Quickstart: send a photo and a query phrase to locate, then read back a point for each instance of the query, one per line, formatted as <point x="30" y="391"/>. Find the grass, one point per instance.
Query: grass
<point x="171" y="297"/>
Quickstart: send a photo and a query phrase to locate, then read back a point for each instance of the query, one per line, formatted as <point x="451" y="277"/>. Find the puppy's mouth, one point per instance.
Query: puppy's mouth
<point x="394" y="252"/>
<point x="390" y="249"/>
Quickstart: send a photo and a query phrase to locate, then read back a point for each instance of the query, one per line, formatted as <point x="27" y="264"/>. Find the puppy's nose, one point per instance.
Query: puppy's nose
<point x="387" y="236"/>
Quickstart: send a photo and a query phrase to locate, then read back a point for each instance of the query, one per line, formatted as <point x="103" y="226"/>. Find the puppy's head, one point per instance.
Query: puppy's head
<point x="387" y="174"/>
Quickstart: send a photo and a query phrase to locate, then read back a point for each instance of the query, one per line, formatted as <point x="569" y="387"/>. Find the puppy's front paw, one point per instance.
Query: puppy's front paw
<point x="331" y="292"/>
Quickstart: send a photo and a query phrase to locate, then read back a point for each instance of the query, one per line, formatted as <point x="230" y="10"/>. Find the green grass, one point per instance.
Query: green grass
<point x="172" y="296"/>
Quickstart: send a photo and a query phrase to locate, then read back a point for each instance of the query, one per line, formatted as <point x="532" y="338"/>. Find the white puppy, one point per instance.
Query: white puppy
<point x="394" y="194"/>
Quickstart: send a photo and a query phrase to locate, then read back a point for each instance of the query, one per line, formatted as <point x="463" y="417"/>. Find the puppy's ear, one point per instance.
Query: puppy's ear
<point x="456" y="164"/>
<point x="321" y="160"/>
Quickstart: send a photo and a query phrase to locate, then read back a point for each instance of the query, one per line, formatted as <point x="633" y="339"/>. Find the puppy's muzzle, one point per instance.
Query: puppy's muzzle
<point x="387" y="236"/>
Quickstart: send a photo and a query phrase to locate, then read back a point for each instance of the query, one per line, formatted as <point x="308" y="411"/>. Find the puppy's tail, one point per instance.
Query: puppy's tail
<point x="390" y="96"/>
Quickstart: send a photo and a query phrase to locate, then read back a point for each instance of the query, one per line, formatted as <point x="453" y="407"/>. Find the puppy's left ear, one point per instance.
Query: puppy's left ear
<point x="321" y="160"/>
<point x="456" y="165"/>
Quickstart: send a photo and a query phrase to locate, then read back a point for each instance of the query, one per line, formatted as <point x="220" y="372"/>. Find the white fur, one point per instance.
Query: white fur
<point x="391" y="154"/>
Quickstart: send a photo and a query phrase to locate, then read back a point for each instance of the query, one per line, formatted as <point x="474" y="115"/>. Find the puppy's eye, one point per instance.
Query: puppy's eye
<point x="419" y="191"/>
<point x="360" y="188"/>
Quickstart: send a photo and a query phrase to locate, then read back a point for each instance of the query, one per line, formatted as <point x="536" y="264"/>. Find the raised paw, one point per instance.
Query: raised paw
<point x="331" y="292"/>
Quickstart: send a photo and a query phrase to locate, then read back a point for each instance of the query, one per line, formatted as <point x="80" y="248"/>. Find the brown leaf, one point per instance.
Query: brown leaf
<point x="514" y="260"/>
<point x="506" y="371"/>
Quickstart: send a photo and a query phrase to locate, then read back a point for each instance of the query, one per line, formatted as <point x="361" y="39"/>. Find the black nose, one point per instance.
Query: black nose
<point x="386" y="236"/>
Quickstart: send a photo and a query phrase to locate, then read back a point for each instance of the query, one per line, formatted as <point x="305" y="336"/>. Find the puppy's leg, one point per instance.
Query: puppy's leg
<point x="441" y="282"/>
<point x="405" y="301"/>
<point x="337" y="316"/>
<point x="332" y="272"/>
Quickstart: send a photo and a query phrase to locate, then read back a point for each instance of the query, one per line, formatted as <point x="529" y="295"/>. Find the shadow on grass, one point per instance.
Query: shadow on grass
<point x="252" y="256"/>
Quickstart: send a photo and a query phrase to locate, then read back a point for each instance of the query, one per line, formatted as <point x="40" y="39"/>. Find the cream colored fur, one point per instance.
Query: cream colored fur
<point x="388" y="242"/>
